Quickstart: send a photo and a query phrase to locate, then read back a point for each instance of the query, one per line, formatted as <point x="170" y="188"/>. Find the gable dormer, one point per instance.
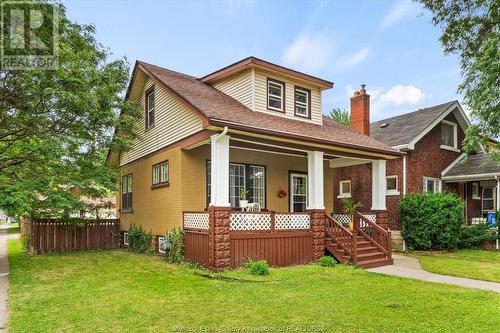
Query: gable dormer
<point x="272" y="89"/>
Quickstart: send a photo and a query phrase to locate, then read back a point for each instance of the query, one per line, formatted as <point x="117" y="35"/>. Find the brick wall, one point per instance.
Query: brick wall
<point x="427" y="160"/>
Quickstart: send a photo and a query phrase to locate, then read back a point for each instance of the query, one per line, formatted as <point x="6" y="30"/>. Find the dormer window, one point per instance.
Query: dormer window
<point x="302" y="102"/>
<point x="150" y="107"/>
<point x="449" y="135"/>
<point x="275" y="95"/>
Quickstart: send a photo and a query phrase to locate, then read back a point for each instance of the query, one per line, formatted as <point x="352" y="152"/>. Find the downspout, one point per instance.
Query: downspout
<point x="216" y="137"/>
<point x="404" y="175"/>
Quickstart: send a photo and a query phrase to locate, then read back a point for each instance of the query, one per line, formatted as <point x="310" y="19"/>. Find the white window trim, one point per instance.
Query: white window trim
<point x="282" y="97"/>
<point x="301" y="104"/>
<point x="392" y="192"/>
<point x="160" y="250"/>
<point x="344" y="194"/>
<point x="455" y="136"/>
<point x="437" y="180"/>
<point x="475" y="196"/>
<point x="125" y="238"/>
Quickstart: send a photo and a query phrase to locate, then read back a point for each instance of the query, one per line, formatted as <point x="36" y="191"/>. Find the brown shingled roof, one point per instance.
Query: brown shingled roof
<point x="222" y="110"/>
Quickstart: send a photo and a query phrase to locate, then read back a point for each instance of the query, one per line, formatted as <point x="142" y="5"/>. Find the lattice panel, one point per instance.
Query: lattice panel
<point x="343" y="219"/>
<point x="245" y="221"/>
<point x="292" y="221"/>
<point x="371" y="217"/>
<point x="196" y="220"/>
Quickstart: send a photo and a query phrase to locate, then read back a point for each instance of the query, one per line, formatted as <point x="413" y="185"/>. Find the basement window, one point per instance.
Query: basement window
<point x="161" y="245"/>
<point x="344" y="189"/>
<point x="275" y="95"/>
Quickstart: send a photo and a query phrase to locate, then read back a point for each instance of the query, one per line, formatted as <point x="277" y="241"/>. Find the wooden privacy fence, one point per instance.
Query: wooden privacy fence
<point x="282" y="239"/>
<point x="52" y="235"/>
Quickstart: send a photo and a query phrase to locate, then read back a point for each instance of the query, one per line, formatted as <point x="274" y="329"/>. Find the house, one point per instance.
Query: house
<point x="252" y="130"/>
<point x="431" y="139"/>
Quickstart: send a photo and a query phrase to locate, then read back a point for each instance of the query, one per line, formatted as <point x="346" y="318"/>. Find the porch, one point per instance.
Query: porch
<point x="291" y="184"/>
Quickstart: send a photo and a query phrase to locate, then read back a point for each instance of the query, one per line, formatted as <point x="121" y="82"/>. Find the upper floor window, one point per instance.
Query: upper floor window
<point x="448" y="135"/>
<point x="160" y="173"/>
<point x="150" y="107"/>
<point x="302" y="102"/>
<point x="127" y="192"/>
<point x="432" y="185"/>
<point x="345" y="189"/>
<point x="275" y="95"/>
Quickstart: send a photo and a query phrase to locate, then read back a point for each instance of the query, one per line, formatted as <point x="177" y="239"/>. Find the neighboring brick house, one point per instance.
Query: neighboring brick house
<point x="431" y="139"/>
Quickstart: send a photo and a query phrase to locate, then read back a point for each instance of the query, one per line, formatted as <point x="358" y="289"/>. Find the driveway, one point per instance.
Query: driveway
<point x="409" y="267"/>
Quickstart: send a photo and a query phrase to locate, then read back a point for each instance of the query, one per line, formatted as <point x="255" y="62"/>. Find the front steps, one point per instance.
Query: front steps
<point x="368" y="255"/>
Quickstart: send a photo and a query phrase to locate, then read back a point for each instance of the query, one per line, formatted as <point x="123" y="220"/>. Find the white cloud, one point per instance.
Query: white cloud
<point x="352" y="60"/>
<point x="400" y="94"/>
<point x="309" y="51"/>
<point x="402" y="9"/>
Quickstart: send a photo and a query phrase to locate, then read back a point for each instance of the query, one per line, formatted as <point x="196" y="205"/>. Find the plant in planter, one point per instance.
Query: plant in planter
<point x="350" y="208"/>
<point x="243" y="198"/>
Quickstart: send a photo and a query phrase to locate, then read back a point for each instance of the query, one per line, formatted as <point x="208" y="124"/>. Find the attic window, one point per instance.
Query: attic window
<point x="448" y="135"/>
<point x="302" y="102"/>
<point x="384" y="125"/>
<point x="275" y="95"/>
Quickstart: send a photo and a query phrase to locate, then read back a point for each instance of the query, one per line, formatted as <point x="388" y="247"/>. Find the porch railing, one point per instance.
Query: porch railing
<point x="377" y="235"/>
<point x="269" y="221"/>
<point x="344" y="237"/>
<point x="345" y="219"/>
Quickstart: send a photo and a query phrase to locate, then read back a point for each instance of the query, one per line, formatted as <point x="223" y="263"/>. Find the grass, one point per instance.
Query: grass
<point x="474" y="264"/>
<point x="116" y="291"/>
<point x="13" y="228"/>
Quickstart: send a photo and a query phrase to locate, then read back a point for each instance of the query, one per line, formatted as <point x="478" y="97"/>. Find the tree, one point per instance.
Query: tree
<point x="471" y="29"/>
<point x="56" y="126"/>
<point x="340" y="115"/>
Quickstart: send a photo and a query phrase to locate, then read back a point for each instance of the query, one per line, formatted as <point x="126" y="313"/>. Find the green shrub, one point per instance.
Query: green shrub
<point x="327" y="261"/>
<point x="259" y="267"/>
<point x="174" y="246"/>
<point x="431" y="220"/>
<point x="475" y="235"/>
<point x="139" y="241"/>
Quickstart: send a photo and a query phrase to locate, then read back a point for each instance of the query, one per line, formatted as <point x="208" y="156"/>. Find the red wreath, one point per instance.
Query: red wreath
<point x="282" y="193"/>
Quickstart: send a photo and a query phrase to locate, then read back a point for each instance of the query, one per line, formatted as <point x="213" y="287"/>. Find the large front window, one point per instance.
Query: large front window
<point x="243" y="178"/>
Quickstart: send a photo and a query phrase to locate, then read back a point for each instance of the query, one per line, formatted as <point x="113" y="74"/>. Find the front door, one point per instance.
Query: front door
<point x="298" y="192"/>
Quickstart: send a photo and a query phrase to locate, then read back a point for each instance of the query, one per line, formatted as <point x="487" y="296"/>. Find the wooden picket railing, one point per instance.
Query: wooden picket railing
<point x="377" y="235"/>
<point x="52" y="235"/>
<point x="344" y="238"/>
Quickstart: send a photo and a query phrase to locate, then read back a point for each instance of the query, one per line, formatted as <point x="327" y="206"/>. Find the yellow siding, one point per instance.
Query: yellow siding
<point x="238" y="87"/>
<point x="156" y="210"/>
<point x="173" y="121"/>
<point x="261" y="97"/>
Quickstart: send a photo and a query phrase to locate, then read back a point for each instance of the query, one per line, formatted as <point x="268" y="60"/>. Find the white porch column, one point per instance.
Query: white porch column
<point x="498" y="194"/>
<point x="315" y="180"/>
<point x="378" y="185"/>
<point x="219" y="188"/>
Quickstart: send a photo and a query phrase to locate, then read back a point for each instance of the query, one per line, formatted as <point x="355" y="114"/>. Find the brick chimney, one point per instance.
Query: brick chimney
<point x="360" y="111"/>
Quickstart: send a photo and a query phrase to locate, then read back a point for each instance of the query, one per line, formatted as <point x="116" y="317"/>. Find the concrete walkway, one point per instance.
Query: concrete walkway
<point x="4" y="280"/>
<point x="409" y="267"/>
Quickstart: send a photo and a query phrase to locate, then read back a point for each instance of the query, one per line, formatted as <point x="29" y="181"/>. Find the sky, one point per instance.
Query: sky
<point x="391" y="45"/>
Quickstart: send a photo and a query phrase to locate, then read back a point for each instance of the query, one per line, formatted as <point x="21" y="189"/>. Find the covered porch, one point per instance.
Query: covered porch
<point x="268" y="199"/>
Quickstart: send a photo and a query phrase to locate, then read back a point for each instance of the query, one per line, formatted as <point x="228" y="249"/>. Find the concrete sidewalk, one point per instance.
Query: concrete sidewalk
<point x="4" y="279"/>
<point x="409" y="267"/>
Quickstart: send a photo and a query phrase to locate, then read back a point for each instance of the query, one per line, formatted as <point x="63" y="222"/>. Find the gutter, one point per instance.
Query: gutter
<point x="478" y="176"/>
<point x="252" y="129"/>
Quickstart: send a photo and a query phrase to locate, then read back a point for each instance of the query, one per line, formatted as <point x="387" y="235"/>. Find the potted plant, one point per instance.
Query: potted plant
<point x="243" y="198"/>
<point x="350" y="208"/>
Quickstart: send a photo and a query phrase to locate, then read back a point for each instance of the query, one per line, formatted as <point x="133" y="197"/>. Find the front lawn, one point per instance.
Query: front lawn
<point x="13" y="228"/>
<point x="115" y="291"/>
<point x="474" y="264"/>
